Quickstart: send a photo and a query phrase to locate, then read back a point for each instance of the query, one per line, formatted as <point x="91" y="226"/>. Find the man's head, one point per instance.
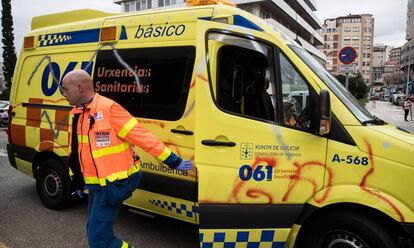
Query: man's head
<point x="78" y="87"/>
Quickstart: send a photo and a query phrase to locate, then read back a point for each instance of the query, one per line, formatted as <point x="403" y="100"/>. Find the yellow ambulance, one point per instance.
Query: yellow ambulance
<point x="284" y="155"/>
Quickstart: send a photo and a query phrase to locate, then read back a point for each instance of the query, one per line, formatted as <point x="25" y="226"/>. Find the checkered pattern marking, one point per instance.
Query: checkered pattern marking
<point x="233" y="239"/>
<point x="179" y="208"/>
<point x="44" y="128"/>
<point x="53" y="39"/>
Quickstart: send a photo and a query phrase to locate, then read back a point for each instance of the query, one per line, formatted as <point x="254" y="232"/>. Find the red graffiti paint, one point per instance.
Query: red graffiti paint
<point x="192" y="84"/>
<point x="294" y="179"/>
<point x="159" y="123"/>
<point x="202" y="78"/>
<point x="363" y="183"/>
<point x="256" y="193"/>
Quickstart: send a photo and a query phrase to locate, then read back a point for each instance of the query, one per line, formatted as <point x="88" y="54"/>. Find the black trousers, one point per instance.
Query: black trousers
<point x="406" y="114"/>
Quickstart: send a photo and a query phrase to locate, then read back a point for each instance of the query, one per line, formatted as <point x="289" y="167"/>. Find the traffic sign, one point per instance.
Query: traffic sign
<point x="347" y="55"/>
<point x="347" y="68"/>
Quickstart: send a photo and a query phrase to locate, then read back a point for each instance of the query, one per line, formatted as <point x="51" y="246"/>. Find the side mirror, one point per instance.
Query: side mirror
<point x="324" y="113"/>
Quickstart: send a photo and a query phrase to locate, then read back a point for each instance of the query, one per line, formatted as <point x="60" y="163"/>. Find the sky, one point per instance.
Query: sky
<point x="390" y="15"/>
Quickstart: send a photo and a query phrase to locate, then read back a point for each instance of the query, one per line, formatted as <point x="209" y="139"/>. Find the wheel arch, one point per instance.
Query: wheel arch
<point x="391" y="224"/>
<point x="44" y="156"/>
<point x="384" y="208"/>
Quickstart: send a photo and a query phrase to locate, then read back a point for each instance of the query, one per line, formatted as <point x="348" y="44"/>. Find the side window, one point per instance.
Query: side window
<point x="296" y="96"/>
<point x="165" y="73"/>
<point x="244" y="81"/>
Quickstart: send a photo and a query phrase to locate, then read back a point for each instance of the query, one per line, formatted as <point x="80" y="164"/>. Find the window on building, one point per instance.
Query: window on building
<point x="347" y="29"/>
<point x="126" y="7"/>
<point x="355" y="29"/>
<point x="347" y="38"/>
<point x="143" y="4"/>
<point x="355" y="37"/>
<point x="264" y="14"/>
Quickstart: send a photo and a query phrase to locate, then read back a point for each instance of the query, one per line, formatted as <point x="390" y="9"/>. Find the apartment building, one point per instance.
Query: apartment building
<point x="380" y="55"/>
<point x="395" y="55"/>
<point x="407" y="50"/>
<point x="295" y="18"/>
<point x="410" y="20"/>
<point x="356" y="31"/>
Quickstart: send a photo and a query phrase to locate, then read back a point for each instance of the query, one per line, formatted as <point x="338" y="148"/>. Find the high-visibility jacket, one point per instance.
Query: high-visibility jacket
<point x="105" y="133"/>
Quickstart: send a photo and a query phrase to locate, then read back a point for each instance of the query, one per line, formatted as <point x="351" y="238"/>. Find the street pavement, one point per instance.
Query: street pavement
<point x="391" y="114"/>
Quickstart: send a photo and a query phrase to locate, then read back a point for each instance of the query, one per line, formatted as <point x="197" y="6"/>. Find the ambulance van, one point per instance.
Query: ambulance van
<point x="210" y="82"/>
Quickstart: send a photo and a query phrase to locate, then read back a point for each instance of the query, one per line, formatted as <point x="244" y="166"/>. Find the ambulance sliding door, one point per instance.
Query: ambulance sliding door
<point x="162" y="106"/>
<point x="255" y="171"/>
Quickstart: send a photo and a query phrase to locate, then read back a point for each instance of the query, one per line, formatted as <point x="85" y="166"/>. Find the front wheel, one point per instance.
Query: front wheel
<point x="347" y="229"/>
<point x="53" y="185"/>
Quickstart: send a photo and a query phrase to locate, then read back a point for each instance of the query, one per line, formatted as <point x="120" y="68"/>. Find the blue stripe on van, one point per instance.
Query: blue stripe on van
<point x="69" y="38"/>
<point x="124" y="35"/>
<point x="239" y="21"/>
<point x="243" y="22"/>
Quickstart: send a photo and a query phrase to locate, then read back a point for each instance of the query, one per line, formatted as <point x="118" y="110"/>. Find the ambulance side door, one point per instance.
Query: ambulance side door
<point x="258" y="160"/>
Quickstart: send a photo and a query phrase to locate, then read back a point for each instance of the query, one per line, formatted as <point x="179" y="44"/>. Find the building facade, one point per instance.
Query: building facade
<point x="410" y="20"/>
<point x="407" y="50"/>
<point x="380" y="55"/>
<point x="395" y="55"/>
<point x="356" y="31"/>
<point x="295" y="18"/>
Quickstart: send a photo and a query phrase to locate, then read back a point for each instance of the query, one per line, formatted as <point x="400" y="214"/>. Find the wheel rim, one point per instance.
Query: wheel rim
<point x="343" y="239"/>
<point x="52" y="184"/>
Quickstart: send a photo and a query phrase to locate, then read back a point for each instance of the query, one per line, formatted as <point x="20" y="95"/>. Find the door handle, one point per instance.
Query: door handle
<point x="217" y="143"/>
<point x="186" y="132"/>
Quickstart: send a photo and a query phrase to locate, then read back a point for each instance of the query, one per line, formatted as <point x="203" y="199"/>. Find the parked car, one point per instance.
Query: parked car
<point x="401" y="100"/>
<point x="396" y="99"/>
<point x="4" y="114"/>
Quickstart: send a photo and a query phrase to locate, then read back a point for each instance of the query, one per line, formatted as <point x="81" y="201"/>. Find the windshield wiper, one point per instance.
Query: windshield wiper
<point x="375" y="121"/>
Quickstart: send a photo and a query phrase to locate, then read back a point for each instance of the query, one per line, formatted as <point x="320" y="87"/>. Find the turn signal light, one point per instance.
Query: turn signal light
<point x="108" y="34"/>
<point x="28" y="42"/>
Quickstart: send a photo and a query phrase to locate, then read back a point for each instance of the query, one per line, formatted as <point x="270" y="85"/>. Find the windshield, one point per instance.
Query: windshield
<point x="333" y="84"/>
<point x="3" y="105"/>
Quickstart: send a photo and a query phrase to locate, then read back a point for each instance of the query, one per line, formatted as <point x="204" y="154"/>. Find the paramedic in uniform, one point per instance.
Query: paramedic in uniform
<point x="102" y="158"/>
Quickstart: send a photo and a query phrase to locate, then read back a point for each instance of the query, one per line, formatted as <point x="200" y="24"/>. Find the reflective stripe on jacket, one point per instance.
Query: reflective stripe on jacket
<point x="105" y="131"/>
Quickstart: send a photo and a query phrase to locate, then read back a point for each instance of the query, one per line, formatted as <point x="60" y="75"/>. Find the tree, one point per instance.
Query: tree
<point x="357" y="86"/>
<point x="9" y="54"/>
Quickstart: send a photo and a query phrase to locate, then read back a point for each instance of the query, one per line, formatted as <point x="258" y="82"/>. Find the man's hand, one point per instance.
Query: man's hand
<point x="185" y="165"/>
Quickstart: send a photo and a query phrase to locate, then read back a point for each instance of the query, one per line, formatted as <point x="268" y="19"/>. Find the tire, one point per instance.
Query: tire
<point x="347" y="229"/>
<point x="53" y="185"/>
